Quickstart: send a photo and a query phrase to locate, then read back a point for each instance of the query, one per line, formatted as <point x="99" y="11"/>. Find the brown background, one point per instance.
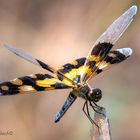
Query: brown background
<point x="57" y="31"/>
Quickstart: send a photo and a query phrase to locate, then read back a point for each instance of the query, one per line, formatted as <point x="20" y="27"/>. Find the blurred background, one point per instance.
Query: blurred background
<point x="56" y="32"/>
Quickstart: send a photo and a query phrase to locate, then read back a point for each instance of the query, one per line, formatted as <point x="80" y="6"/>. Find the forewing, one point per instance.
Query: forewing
<point x="32" y="83"/>
<point x="106" y="41"/>
<point x="36" y="62"/>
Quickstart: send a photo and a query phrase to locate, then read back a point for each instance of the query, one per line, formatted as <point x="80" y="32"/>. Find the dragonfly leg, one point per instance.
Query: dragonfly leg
<point x="86" y="111"/>
<point x="96" y="108"/>
<point x="88" y="114"/>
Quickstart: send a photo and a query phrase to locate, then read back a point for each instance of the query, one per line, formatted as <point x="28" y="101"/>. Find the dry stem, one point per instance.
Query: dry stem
<point x="103" y="131"/>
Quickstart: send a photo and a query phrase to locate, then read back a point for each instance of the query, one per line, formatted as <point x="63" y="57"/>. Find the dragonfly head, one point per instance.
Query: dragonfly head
<point x="95" y="95"/>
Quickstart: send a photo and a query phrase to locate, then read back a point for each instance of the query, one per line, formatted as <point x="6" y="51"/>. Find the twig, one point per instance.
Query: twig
<point x="102" y="132"/>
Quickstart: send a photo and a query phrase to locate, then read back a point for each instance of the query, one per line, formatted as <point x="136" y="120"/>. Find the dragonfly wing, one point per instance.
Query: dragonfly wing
<point x="36" y="62"/>
<point x="106" y="41"/>
<point x="31" y="83"/>
<point x="30" y="58"/>
<point x="113" y="57"/>
<point x="72" y="70"/>
<point x="117" y="28"/>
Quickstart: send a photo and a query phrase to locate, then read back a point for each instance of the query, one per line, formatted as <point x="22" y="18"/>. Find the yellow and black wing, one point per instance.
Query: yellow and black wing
<point x="113" y="57"/>
<point x="37" y="62"/>
<point x="73" y="69"/>
<point x="105" y="42"/>
<point x="32" y="83"/>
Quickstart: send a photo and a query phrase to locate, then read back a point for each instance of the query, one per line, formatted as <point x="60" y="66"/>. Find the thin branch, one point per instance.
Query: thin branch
<point x="103" y="131"/>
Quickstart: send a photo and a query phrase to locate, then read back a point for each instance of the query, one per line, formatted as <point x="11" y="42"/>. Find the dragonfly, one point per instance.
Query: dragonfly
<point x="75" y="74"/>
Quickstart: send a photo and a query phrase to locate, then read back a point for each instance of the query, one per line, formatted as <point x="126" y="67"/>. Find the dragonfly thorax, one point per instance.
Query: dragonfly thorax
<point x="90" y="94"/>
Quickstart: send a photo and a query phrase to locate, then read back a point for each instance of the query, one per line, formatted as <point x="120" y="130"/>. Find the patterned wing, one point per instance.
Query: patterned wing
<point x="105" y="42"/>
<point x="37" y="62"/>
<point x="73" y="70"/>
<point x="32" y="83"/>
<point x="113" y="57"/>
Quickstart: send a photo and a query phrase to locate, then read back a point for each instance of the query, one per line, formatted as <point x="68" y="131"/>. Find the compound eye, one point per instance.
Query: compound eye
<point x="97" y="94"/>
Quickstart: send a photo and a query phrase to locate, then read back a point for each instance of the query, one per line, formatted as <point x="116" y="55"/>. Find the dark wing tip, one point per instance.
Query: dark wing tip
<point x="126" y="51"/>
